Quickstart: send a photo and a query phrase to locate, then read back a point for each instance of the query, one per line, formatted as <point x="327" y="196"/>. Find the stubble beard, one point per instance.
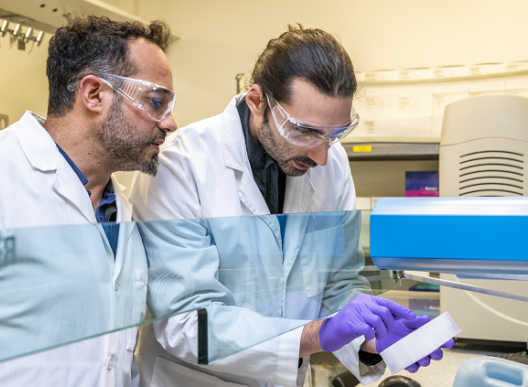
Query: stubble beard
<point x="123" y="143"/>
<point x="277" y="147"/>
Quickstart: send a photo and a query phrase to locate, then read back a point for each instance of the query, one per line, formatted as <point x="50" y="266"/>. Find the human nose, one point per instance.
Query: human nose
<point x="168" y="124"/>
<point x="319" y="153"/>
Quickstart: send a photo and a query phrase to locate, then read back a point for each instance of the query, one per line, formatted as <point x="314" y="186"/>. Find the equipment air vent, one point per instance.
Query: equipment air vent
<point x="491" y="173"/>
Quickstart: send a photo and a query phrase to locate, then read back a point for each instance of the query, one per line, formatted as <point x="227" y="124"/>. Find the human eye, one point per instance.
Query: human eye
<point x="335" y="135"/>
<point x="308" y="132"/>
<point x="155" y="103"/>
<point x="154" y="99"/>
<point x="300" y="129"/>
<point x="303" y="134"/>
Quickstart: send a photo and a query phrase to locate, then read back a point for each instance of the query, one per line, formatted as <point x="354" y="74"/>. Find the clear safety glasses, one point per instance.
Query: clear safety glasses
<point x="305" y="133"/>
<point x="155" y="100"/>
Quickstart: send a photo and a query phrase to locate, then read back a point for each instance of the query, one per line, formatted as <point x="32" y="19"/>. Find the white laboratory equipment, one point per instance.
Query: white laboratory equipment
<point x="484" y="152"/>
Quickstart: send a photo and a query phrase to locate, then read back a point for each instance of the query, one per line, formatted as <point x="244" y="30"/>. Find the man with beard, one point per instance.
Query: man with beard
<point x="110" y="103"/>
<point x="274" y="150"/>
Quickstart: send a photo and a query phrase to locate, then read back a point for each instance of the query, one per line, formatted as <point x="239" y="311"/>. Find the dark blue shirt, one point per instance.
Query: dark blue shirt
<point x="106" y="212"/>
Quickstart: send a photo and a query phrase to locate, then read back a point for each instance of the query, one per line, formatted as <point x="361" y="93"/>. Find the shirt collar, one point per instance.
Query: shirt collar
<point x="77" y="171"/>
<point x="109" y="189"/>
<point x="258" y="158"/>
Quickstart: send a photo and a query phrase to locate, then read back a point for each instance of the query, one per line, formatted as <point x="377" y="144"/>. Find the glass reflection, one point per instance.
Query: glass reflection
<point x="257" y="277"/>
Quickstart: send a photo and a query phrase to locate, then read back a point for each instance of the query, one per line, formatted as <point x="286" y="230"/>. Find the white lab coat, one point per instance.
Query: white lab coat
<point x="205" y="173"/>
<point x="39" y="188"/>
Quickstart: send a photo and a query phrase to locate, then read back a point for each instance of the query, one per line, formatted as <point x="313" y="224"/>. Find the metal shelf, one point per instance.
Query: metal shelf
<point x="469" y="78"/>
<point x="380" y="151"/>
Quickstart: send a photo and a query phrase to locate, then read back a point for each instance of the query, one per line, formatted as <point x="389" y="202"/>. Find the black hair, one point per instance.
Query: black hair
<point x="309" y="54"/>
<point x="94" y="45"/>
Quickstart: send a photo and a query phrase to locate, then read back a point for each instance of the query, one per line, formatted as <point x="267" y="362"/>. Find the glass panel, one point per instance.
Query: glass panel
<point x="380" y="280"/>
<point x="252" y="278"/>
<point x="257" y="277"/>
<point x="59" y="285"/>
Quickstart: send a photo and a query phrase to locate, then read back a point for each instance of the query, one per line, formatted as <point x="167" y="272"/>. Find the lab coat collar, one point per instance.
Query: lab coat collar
<point x="124" y="216"/>
<point x="299" y="190"/>
<point x="43" y="154"/>
<point x="235" y="157"/>
<point x="308" y="192"/>
<point x="299" y="193"/>
<point x="68" y="185"/>
<point x="37" y="144"/>
<point x="124" y="207"/>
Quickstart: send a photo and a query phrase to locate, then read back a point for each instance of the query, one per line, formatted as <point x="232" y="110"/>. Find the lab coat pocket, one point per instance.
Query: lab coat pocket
<point x="320" y="254"/>
<point x="170" y="374"/>
<point x="139" y="295"/>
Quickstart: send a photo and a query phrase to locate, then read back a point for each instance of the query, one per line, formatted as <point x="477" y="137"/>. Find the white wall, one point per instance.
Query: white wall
<point x="23" y="82"/>
<point x="223" y="38"/>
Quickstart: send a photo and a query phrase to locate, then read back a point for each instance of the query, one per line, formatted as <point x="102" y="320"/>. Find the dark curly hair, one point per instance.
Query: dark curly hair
<point x="310" y="54"/>
<point x="94" y="45"/>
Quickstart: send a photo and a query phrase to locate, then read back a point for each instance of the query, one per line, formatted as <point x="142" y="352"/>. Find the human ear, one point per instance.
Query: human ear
<point x="94" y="94"/>
<point x="256" y="101"/>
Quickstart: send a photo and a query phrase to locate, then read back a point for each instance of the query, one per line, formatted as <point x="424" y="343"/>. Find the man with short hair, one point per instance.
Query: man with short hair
<point x="110" y="102"/>
<point x="274" y="150"/>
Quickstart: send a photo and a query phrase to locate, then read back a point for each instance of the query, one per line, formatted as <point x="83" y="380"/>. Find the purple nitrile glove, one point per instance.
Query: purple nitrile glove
<point x="364" y="315"/>
<point x="402" y="328"/>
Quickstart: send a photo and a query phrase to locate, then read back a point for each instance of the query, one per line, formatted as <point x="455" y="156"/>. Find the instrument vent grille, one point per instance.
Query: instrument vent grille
<point x="491" y="173"/>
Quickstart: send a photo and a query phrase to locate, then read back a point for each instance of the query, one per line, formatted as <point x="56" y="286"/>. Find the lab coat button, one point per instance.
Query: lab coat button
<point x="117" y="285"/>
<point x="110" y="363"/>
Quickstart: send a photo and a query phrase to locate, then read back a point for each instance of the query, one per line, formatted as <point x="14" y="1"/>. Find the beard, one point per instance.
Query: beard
<point x="123" y="143"/>
<point x="279" y="150"/>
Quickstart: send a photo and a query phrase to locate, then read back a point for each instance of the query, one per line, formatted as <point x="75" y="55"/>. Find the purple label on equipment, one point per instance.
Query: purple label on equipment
<point x="421" y="183"/>
<point x="421" y="193"/>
